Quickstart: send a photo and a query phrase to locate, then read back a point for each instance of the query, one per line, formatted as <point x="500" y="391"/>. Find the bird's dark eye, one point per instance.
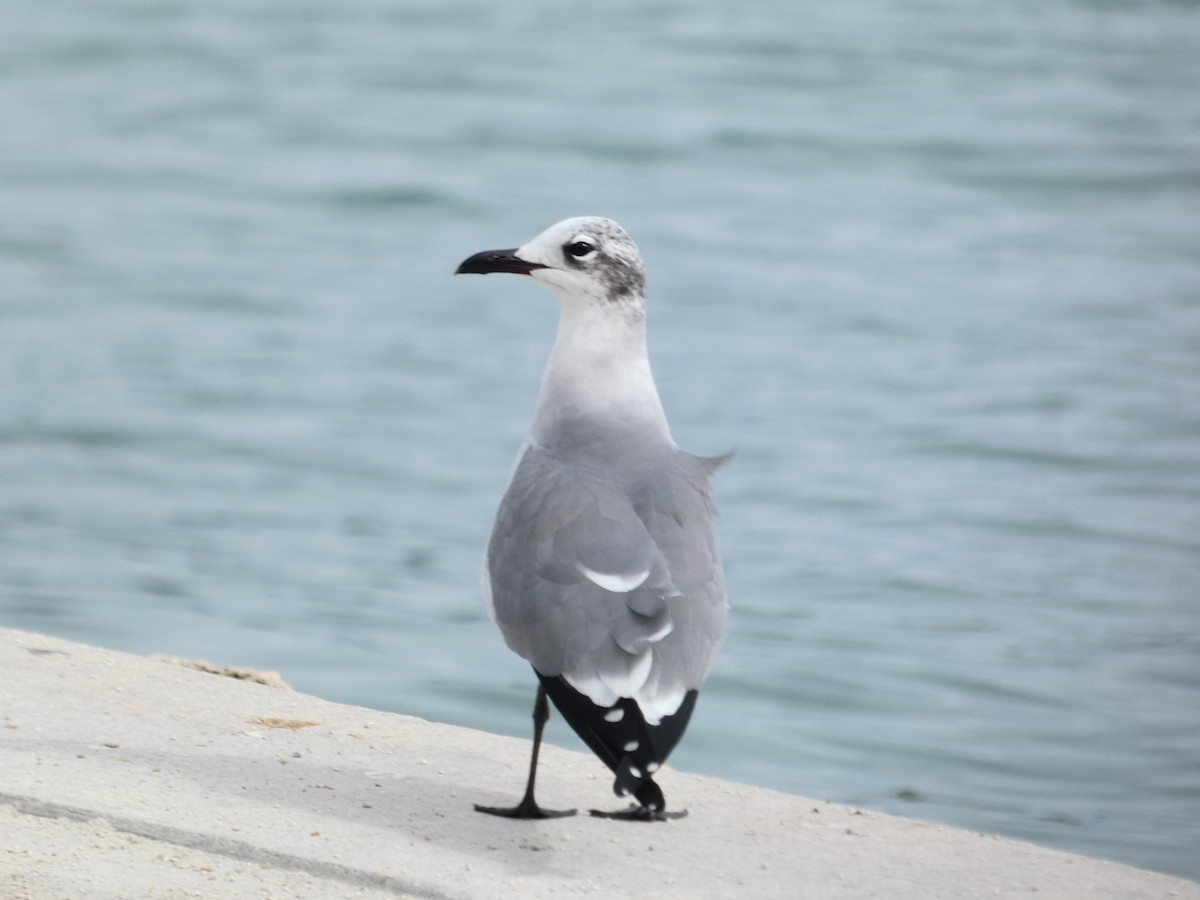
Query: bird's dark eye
<point x="579" y="248"/>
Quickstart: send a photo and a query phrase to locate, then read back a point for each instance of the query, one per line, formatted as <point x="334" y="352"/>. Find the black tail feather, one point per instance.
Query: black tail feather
<point x="620" y="737"/>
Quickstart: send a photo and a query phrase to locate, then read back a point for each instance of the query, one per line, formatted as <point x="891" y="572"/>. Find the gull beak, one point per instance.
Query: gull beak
<point x="497" y="261"/>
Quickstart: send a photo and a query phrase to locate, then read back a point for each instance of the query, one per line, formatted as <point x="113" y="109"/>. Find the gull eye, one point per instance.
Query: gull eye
<point x="580" y="247"/>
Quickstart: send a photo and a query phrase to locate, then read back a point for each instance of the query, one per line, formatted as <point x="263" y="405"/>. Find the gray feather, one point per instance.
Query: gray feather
<point x="603" y="511"/>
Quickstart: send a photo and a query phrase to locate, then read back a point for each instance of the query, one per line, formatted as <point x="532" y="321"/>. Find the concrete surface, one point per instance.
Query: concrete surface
<point x="128" y="777"/>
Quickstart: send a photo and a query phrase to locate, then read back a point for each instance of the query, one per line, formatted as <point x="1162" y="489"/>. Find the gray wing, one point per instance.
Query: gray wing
<point x="608" y="579"/>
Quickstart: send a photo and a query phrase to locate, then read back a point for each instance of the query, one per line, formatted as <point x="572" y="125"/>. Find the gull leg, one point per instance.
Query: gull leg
<point x="528" y="808"/>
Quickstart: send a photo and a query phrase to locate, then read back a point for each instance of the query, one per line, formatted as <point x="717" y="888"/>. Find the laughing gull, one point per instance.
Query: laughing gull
<point x="602" y="569"/>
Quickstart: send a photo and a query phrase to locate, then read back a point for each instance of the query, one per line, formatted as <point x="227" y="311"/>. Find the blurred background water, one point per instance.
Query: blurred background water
<point x="932" y="268"/>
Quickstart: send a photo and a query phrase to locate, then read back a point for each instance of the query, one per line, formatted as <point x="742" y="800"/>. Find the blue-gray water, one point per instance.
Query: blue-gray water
<point x="932" y="268"/>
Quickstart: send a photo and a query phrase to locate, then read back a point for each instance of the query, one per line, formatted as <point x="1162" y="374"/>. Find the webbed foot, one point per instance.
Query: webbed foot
<point x="637" y="813"/>
<point x="526" y="809"/>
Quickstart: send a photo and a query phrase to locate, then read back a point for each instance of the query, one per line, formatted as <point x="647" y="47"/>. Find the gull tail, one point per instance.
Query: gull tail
<point x="620" y="737"/>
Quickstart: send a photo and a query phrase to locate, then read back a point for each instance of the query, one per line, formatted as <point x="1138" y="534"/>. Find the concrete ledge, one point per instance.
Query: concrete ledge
<point x="124" y="777"/>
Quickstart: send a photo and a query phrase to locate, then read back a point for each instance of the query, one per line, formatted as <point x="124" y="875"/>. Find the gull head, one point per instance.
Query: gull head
<point x="588" y="260"/>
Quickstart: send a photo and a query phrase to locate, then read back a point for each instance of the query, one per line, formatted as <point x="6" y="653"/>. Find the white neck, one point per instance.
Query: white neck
<point x="599" y="373"/>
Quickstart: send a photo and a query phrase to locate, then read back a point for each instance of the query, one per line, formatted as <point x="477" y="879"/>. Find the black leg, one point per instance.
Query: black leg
<point x="528" y="808"/>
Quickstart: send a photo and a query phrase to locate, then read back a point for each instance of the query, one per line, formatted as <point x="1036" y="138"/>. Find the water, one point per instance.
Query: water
<point x="931" y="268"/>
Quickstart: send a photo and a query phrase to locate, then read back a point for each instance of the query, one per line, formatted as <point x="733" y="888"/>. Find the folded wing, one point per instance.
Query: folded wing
<point x="613" y="583"/>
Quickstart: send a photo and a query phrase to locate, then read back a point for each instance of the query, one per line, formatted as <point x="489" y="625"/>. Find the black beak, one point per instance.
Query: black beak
<point x="496" y="261"/>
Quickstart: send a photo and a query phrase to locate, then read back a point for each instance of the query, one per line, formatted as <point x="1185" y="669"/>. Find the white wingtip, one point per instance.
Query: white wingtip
<point x="618" y="584"/>
<point x="605" y="688"/>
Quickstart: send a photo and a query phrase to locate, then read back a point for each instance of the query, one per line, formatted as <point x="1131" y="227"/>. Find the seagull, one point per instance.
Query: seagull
<point x="602" y="570"/>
